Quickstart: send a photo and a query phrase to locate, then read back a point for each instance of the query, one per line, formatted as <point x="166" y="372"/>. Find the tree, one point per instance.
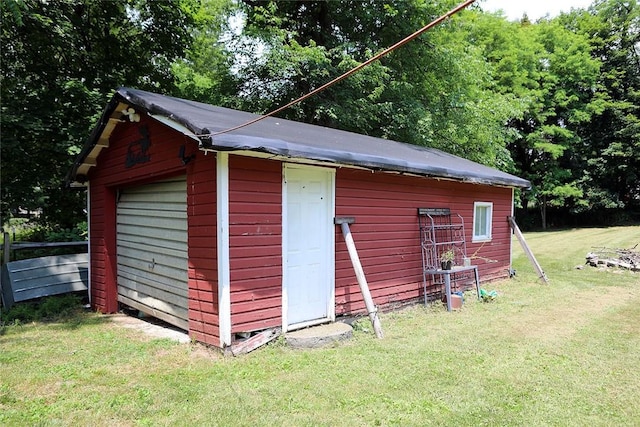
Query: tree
<point x="550" y="70"/>
<point x="60" y="62"/>
<point x="434" y="91"/>
<point x="566" y="82"/>
<point x="205" y="72"/>
<point x="611" y="153"/>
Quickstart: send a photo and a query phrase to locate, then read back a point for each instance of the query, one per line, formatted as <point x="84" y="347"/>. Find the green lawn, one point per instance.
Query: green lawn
<point x="565" y="354"/>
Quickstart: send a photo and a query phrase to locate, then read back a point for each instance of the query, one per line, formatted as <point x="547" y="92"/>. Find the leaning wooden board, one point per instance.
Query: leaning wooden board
<point x="526" y="249"/>
<point x="39" y="277"/>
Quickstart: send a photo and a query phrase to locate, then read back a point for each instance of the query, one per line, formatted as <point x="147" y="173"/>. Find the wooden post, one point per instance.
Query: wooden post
<point x="357" y="267"/>
<point x="6" y="249"/>
<point x="260" y="339"/>
<point x="527" y="251"/>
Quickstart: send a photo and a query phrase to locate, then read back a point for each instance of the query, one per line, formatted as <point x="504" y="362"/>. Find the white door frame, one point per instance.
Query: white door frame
<point x="330" y="250"/>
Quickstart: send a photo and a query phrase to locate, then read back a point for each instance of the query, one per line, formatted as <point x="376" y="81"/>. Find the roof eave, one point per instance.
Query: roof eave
<point x="125" y="98"/>
<point x="372" y="164"/>
<point x="111" y="116"/>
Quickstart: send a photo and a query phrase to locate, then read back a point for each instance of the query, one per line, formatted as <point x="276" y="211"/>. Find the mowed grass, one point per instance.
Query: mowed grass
<point x="565" y="354"/>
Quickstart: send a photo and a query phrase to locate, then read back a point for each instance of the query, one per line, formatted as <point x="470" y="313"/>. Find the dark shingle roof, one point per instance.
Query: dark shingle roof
<point x="300" y="140"/>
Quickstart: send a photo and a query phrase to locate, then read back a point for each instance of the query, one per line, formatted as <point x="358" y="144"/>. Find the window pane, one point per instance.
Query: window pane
<point x="476" y="225"/>
<point x="482" y="221"/>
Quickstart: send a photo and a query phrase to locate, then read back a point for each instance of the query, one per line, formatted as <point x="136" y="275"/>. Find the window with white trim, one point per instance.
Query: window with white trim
<point x="482" y="216"/>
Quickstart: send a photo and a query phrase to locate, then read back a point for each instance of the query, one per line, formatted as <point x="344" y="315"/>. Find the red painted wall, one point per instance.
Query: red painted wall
<point x="112" y="173"/>
<point x="204" y="324"/>
<point x="385" y="232"/>
<point x="255" y="248"/>
<point x="387" y="236"/>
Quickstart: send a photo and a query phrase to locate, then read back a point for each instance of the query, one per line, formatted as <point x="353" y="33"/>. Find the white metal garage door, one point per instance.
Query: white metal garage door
<point x="152" y="250"/>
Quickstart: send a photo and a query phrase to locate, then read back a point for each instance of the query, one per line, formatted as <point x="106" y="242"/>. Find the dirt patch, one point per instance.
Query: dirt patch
<point x="203" y="351"/>
<point x="152" y="329"/>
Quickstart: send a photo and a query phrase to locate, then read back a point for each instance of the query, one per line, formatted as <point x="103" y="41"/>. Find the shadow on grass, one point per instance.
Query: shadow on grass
<point x="79" y="320"/>
<point x="63" y="312"/>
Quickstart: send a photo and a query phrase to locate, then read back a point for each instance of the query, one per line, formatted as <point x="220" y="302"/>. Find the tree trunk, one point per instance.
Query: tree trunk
<point x="543" y="212"/>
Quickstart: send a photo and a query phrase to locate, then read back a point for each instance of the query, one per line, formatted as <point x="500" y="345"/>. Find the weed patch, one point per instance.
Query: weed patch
<point x="47" y="309"/>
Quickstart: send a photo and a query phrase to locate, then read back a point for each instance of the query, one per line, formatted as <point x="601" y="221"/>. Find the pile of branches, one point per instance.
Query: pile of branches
<point x="607" y="257"/>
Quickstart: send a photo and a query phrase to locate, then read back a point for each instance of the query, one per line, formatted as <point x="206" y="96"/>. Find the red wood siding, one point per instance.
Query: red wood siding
<point x="386" y="233"/>
<point x="103" y="249"/>
<point x="204" y="324"/>
<point x="111" y="173"/>
<point x="255" y="248"/>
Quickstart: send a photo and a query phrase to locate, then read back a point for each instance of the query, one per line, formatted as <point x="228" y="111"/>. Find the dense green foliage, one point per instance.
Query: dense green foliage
<point x="611" y="152"/>
<point x="554" y="101"/>
<point x="550" y="69"/>
<point x="434" y="91"/>
<point x="61" y="61"/>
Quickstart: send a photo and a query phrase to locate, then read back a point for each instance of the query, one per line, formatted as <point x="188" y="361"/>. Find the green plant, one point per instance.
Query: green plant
<point x="33" y="231"/>
<point x="362" y="324"/>
<point x="51" y="308"/>
<point x="448" y="255"/>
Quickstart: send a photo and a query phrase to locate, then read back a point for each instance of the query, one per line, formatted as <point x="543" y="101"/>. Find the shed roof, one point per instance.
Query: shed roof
<point x="287" y="138"/>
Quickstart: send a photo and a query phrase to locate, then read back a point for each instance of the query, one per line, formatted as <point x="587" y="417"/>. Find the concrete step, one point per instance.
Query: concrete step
<point x="319" y="336"/>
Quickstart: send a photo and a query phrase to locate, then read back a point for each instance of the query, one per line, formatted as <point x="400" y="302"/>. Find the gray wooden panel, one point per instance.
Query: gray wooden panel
<point x="152" y="250"/>
<point x="160" y="295"/>
<point x="38" y="277"/>
<point x="172" y="187"/>
<point x="153" y="261"/>
<point x="138" y="220"/>
<point x="129" y="274"/>
<point x="129" y="236"/>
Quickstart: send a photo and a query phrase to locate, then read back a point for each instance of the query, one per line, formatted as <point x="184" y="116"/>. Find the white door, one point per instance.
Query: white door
<point x="152" y="250"/>
<point x="308" y="242"/>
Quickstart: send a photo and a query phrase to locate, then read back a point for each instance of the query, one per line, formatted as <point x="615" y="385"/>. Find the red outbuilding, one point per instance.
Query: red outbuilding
<point x="223" y="233"/>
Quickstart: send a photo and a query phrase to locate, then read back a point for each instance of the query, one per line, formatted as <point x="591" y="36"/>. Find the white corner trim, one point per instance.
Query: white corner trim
<point x="332" y="245"/>
<point x="224" y="276"/>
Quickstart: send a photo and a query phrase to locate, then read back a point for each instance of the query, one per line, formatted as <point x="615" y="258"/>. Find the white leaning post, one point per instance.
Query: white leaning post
<point x="362" y="281"/>
<point x="541" y="275"/>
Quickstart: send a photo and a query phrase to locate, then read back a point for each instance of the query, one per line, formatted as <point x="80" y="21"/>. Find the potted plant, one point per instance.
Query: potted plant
<point x="446" y="259"/>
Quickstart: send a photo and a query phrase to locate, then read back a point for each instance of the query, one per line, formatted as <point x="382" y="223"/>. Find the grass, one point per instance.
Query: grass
<point x="564" y="354"/>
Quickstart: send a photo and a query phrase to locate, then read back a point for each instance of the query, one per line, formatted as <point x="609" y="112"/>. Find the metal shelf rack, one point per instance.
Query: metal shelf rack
<point x="441" y="231"/>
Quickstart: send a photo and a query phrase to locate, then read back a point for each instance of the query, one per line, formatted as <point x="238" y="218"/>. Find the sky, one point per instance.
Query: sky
<point x="535" y="9"/>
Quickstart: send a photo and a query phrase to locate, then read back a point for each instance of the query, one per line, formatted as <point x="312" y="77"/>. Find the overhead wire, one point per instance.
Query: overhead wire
<point x="350" y="72"/>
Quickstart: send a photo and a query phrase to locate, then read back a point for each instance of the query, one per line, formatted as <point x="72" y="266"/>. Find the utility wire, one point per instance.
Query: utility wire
<point x="352" y="71"/>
